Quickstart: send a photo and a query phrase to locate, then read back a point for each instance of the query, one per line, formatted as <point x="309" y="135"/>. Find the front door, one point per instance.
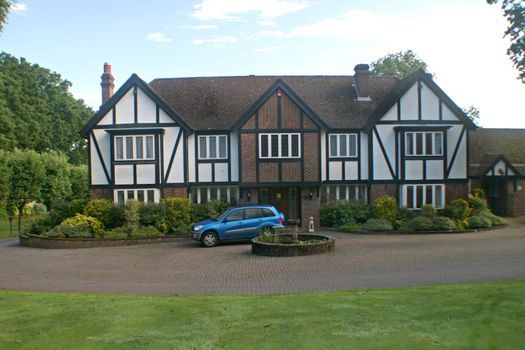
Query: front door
<point x="285" y="199"/>
<point x="496" y="190"/>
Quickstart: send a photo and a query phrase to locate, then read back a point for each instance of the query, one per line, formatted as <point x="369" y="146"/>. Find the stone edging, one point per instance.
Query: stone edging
<point x="74" y="243"/>
<point x="283" y="250"/>
<point x="394" y="232"/>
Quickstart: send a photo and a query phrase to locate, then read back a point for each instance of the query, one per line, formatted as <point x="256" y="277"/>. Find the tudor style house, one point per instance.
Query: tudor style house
<point x="290" y="141"/>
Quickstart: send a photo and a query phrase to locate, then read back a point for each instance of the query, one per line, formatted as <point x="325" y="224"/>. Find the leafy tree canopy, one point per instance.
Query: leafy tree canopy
<point x="399" y="64"/>
<point x="514" y="11"/>
<point x="38" y="112"/>
<point x="5" y="5"/>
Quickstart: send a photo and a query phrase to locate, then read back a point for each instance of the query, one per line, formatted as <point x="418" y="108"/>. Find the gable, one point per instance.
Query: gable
<point x="418" y="98"/>
<point x="134" y="103"/>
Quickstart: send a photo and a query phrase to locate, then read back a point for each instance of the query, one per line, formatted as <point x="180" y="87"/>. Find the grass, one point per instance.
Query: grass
<point x="4" y="227"/>
<point x="480" y="316"/>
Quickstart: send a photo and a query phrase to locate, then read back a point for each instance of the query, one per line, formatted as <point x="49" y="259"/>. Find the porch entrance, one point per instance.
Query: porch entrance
<point x="496" y="191"/>
<point x="285" y="199"/>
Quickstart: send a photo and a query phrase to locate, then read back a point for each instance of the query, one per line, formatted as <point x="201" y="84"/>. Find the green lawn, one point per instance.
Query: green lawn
<point x="4" y="227"/>
<point x="478" y="316"/>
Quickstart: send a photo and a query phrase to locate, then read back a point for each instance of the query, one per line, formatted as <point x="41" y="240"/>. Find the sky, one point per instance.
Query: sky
<point x="460" y="40"/>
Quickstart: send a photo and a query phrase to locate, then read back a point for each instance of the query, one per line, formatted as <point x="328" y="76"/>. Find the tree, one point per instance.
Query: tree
<point x="5" y="6"/>
<point x="26" y="175"/>
<point x="399" y="64"/>
<point x="38" y="112"/>
<point x="473" y="113"/>
<point x="514" y="11"/>
<point x="56" y="184"/>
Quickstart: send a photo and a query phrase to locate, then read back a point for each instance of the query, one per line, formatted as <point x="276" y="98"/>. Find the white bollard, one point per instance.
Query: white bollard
<point x="311" y="224"/>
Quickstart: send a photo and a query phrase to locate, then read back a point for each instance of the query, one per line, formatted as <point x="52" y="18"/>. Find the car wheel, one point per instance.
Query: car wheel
<point x="209" y="239"/>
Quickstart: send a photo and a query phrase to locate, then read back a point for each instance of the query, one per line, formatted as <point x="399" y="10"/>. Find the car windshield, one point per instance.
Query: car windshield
<point x="223" y="215"/>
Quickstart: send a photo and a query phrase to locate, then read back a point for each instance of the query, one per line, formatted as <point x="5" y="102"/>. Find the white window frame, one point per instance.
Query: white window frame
<point x="134" y="147"/>
<point x="217" y="146"/>
<point x="279" y="147"/>
<point x="135" y="192"/>
<point x="438" y="204"/>
<point x="413" y="136"/>
<point x="338" y="154"/>
<point x="347" y="192"/>
<point x="213" y="193"/>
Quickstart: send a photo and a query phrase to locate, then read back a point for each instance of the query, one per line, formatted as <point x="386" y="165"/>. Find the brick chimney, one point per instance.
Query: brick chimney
<point x="107" y="83"/>
<point x="362" y="75"/>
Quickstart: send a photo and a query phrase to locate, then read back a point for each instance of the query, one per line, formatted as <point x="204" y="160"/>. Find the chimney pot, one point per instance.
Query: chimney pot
<point x="106" y="83"/>
<point x="362" y="75"/>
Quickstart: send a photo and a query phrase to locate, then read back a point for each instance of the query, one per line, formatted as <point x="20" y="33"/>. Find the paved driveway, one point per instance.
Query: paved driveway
<point x="360" y="261"/>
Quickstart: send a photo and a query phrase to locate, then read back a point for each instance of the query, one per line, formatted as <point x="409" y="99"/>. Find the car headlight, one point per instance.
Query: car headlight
<point x="198" y="227"/>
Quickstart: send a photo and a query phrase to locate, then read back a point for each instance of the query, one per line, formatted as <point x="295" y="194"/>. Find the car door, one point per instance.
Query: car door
<point x="233" y="224"/>
<point x="253" y="218"/>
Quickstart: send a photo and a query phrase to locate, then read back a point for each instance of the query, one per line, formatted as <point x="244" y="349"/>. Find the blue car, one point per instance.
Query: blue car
<point x="237" y="223"/>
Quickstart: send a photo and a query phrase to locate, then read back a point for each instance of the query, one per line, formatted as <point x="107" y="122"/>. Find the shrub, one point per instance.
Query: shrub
<point x="428" y="211"/>
<point x="494" y="219"/>
<point x="38" y="209"/>
<point x="479" y="222"/>
<point x="385" y="207"/>
<point x="216" y="208"/>
<point x="131" y="213"/>
<point x="403" y="216"/>
<point x="477" y="204"/>
<point x="97" y="208"/>
<point x="40" y="225"/>
<point x="359" y="211"/>
<point x="78" y="226"/>
<point x="478" y="192"/>
<point x="146" y="232"/>
<point x="178" y="216"/>
<point x="420" y="223"/>
<point x="442" y="223"/>
<point x="350" y="227"/>
<point x="59" y="212"/>
<point x="78" y="205"/>
<point x="116" y="233"/>
<point x="334" y="214"/>
<point x="114" y="217"/>
<point x="457" y="210"/>
<point x="375" y="224"/>
<point x="210" y="209"/>
<point x="154" y="214"/>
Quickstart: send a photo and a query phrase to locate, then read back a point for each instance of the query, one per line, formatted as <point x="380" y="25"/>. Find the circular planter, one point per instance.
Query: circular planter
<point x="293" y="249"/>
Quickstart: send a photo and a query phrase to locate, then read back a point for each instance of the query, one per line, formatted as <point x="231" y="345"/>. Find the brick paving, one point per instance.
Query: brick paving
<point x="359" y="261"/>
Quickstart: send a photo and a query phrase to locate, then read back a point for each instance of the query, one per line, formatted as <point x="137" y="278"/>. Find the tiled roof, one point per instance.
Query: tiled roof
<point x="485" y="145"/>
<point x="218" y="102"/>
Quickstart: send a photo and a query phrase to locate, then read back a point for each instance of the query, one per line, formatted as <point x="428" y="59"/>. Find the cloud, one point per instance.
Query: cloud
<point x="267" y="34"/>
<point x="158" y="37"/>
<point x="268" y="49"/>
<point x="202" y="27"/>
<point x="216" y="41"/>
<point x="18" y="7"/>
<point x="266" y="23"/>
<point x="232" y="9"/>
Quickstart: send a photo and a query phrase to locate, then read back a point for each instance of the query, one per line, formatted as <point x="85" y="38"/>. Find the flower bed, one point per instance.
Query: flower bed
<point x="74" y="243"/>
<point x="285" y="245"/>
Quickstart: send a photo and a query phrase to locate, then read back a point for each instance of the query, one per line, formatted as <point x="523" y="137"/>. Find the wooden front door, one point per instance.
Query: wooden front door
<point x="496" y="191"/>
<point x="285" y="199"/>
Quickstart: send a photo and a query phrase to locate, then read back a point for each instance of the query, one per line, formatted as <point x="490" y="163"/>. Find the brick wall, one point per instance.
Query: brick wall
<point x="456" y="191"/>
<point x="311" y="156"/>
<point x="180" y="192"/>
<point x="248" y="154"/>
<point x="254" y="196"/>
<point x="310" y="207"/>
<point x="101" y="193"/>
<point x="291" y="171"/>
<point x="268" y="172"/>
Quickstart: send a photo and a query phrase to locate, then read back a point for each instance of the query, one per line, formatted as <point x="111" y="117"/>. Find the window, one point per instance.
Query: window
<point x="343" y="145"/>
<point x="235" y="215"/>
<point x="206" y="194"/>
<point x="415" y="196"/>
<point x="134" y="147"/>
<point x="279" y="146"/>
<point x="424" y="143"/>
<point x="213" y="147"/>
<point x="141" y="195"/>
<point x="344" y="192"/>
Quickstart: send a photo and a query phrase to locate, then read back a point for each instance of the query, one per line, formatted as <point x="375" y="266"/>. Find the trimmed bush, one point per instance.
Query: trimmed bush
<point x="115" y="217"/>
<point x="78" y="226"/>
<point x="97" y="208"/>
<point x="404" y="215"/>
<point x="38" y="209"/>
<point x="78" y="205"/>
<point x="41" y="225"/>
<point x="385" y="207"/>
<point x="154" y="214"/>
<point x="375" y="224"/>
<point x="350" y="228"/>
<point x="457" y="210"/>
<point x="477" y="204"/>
<point x="178" y="216"/>
<point x="428" y="211"/>
<point x="494" y="219"/>
<point x="335" y="214"/>
<point x="420" y="223"/>
<point x="359" y="211"/>
<point x="442" y="223"/>
<point x="116" y="233"/>
<point x="59" y="212"/>
<point x="479" y="222"/>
